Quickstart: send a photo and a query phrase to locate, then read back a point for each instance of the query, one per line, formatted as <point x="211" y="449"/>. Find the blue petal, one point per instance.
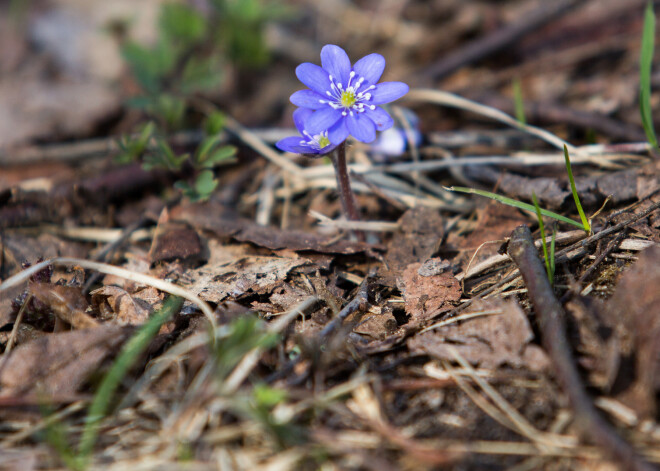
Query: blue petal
<point x="380" y="117"/>
<point x="300" y="116"/>
<point x="338" y="133"/>
<point x="370" y="67"/>
<point x="307" y="99"/>
<point x="387" y="91"/>
<point x="361" y="128"/>
<point x="336" y="62"/>
<point x="292" y="144"/>
<point x="322" y="120"/>
<point x="327" y="149"/>
<point x="314" y="77"/>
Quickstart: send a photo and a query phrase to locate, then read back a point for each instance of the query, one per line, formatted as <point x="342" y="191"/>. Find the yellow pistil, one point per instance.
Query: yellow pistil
<point x="347" y="98"/>
<point x="324" y="142"/>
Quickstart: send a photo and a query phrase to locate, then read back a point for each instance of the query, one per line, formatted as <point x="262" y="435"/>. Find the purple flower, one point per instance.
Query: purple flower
<point x="345" y="99"/>
<point x="306" y="143"/>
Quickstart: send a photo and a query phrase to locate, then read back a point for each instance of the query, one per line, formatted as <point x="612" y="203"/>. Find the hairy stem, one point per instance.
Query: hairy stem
<point x="346" y="195"/>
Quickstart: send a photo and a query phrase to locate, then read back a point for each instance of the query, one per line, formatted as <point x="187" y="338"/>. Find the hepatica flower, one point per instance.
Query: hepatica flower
<point x="306" y="143"/>
<point x="345" y="99"/>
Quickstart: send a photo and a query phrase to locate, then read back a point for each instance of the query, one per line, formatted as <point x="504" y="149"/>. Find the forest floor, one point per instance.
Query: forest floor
<point x="239" y="322"/>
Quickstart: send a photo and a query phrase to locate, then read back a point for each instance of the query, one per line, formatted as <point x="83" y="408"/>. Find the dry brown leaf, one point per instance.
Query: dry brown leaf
<point x="427" y="296"/>
<point x="421" y="231"/>
<point x="500" y="338"/>
<point x="67" y="302"/>
<point x="174" y="240"/>
<point x="215" y="282"/>
<point x="58" y="364"/>
<point x="123" y="307"/>
<point x="637" y="301"/>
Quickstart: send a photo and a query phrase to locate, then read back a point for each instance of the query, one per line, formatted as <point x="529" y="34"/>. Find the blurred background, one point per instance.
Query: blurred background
<point x="73" y="69"/>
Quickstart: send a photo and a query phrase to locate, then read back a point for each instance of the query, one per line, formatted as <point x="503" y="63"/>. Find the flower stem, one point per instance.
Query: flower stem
<point x="346" y="195"/>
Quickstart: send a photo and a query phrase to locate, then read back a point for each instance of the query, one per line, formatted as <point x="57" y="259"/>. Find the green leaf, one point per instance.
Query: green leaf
<point x="267" y="397"/>
<point x="201" y="74"/>
<point x="219" y="156"/>
<point x="515" y="203"/>
<point x="180" y="22"/>
<point x="214" y="123"/>
<point x="585" y="222"/>
<point x="205" y="184"/>
<point x="645" y="63"/>
<point x="205" y="147"/>
<point x="518" y="101"/>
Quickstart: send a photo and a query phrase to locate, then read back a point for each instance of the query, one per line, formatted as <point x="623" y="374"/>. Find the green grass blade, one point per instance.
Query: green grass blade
<point x="515" y="203"/>
<point x="585" y="222"/>
<point x="130" y="352"/>
<point x="645" y="62"/>
<point x="539" y="216"/>
<point x="518" y="102"/>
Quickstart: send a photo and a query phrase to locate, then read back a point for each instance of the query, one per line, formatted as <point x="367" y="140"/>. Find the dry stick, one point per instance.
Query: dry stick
<point x="346" y="195"/>
<point x="551" y="322"/>
<point x="358" y="302"/>
<point x="500" y="39"/>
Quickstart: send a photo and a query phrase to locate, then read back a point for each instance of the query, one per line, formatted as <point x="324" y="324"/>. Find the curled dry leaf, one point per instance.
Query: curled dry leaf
<point x="67" y="302"/>
<point x="501" y="336"/>
<point x="123" y="307"/>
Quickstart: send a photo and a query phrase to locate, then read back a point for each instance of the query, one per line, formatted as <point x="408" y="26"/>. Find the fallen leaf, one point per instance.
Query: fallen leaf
<point x="58" y="364"/>
<point x="637" y="301"/>
<point x="421" y="231"/>
<point x="67" y="303"/>
<point x="427" y="296"/>
<point x="501" y="336"/>
<point x="215" y="282"/>
<point x="174" y="240"/>
<point x="125" y="308"/>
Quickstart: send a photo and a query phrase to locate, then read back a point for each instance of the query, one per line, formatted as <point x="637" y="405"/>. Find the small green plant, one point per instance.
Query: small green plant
<point x="645" y="62"/>
<point x="548" y="256"/>
<point x="515" y="203"/>
<point x="585" y="222"/>
<point x="190" y="57"/>
<point x="518" y="102"/>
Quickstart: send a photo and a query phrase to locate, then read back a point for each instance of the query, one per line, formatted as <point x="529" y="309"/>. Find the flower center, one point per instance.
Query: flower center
<point x="323" y="141"/>
<point x="316" y="142"/>
<point x="348" y="98"/>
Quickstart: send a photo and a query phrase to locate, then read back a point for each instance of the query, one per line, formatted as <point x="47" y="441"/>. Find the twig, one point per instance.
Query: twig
<point x="551" y="322"/>
<point x="500" y="39"/>
<point x="358" y="302"/>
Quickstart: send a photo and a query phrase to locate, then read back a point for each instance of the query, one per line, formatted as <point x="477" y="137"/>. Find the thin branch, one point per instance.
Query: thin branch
<point x="553" y="332"/>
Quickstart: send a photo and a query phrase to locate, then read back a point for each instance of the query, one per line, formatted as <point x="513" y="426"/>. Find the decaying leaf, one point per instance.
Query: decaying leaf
<point x="126" y="308"/>
<point x="501" y="336"/>
<point x="637" y="301"/>
<point x="58" y="364"/>
<point x="215" y="282"/>
<point x="67" y="302"/>
<point x="427" y="296"/>
<point x="421" y="231"/>
<point x="174" y="240"/>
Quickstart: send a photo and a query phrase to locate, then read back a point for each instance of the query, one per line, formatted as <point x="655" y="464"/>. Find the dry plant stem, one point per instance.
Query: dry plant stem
<point x="346" y="195"/>
<point x="551" y="322"/>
